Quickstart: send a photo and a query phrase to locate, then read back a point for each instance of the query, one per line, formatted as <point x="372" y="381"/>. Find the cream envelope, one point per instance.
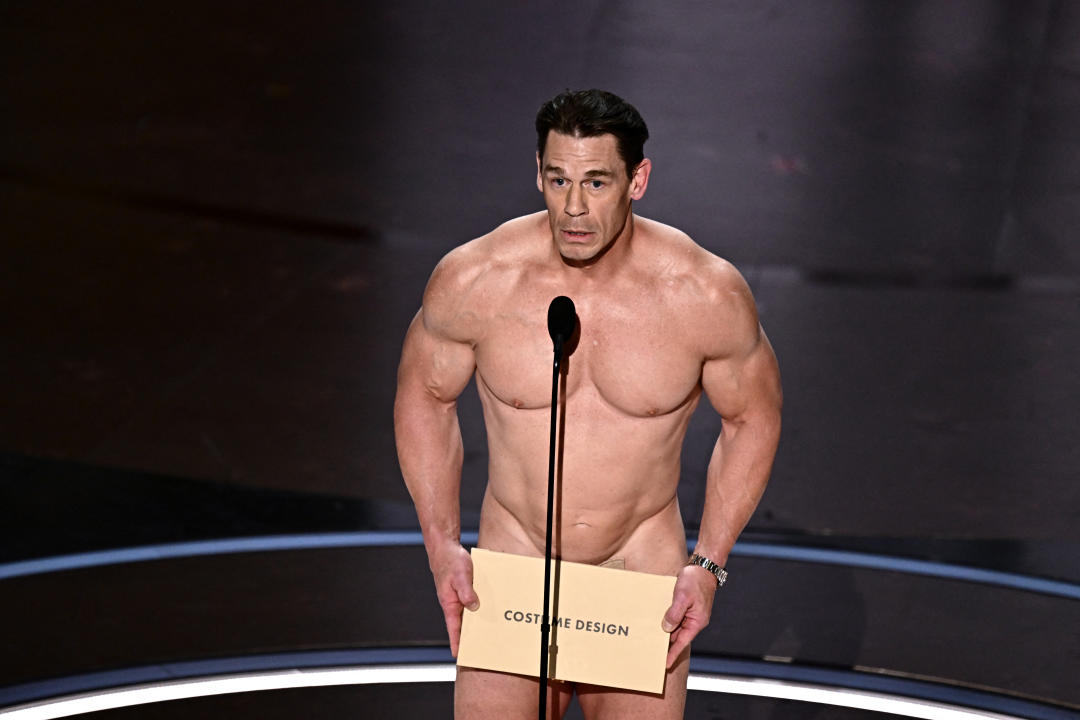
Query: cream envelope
<point x="605" y="622"/>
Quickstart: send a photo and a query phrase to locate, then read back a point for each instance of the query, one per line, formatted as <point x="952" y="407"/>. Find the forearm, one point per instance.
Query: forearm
<point x="737" y="476"/>
<point x="738" y="472"/>
<point x="430" y="453"/>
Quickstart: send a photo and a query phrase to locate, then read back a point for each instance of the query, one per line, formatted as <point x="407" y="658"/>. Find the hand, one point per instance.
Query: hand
<point x="452" y="569"/>
<point x="691" y="607"/>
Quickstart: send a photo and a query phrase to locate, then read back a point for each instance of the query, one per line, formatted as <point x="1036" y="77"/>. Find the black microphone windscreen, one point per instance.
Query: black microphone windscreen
<point x="562" y="318"/>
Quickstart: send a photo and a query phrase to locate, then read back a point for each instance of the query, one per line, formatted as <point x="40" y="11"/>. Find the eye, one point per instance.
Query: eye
<point x="558" y="182"/>
<point x="596" y="184"/>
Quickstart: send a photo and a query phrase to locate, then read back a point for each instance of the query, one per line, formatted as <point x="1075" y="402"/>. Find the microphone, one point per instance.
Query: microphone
<point x="562" y="321"/>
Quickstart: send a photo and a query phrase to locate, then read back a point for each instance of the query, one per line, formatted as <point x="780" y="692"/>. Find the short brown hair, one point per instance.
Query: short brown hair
<point x="588" y="113"/>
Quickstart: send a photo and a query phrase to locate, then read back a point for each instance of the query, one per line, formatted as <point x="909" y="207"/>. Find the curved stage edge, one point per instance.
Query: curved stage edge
<point x="76" y="695"/>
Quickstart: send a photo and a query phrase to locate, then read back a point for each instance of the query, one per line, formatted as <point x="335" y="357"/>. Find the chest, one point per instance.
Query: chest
<point x="624" y="355"/>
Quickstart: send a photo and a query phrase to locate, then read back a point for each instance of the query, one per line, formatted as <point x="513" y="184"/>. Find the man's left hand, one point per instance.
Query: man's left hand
<point x="691" y="607"/>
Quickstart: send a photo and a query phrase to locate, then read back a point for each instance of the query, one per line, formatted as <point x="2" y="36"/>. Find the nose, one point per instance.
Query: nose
<point x="575" y="202"/>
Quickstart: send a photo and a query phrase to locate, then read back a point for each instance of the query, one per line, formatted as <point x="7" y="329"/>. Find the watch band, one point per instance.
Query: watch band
<point x="701" y="561"/>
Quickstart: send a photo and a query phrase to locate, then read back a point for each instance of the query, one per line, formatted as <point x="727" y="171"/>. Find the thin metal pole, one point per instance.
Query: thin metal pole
<point x="545" y="625"/>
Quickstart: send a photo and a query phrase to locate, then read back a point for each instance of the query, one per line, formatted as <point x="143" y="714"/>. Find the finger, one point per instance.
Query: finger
<point x="675" y="614"/>
<point x="681" y="638"/>
<point x="681" y="641"/>
<point x="453" y="628"/>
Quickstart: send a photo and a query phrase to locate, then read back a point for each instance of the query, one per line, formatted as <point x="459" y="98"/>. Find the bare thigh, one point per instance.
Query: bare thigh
<point x="482" y="694"/>
<point x="600" y="703"/>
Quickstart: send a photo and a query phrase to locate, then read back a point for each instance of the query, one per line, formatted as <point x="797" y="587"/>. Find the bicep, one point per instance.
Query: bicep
<point x="744" y="384"/>
<point x="740" y="375"/>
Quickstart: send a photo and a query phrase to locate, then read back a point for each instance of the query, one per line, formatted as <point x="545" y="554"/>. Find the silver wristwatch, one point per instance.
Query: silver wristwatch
<point x="719" y="572"/>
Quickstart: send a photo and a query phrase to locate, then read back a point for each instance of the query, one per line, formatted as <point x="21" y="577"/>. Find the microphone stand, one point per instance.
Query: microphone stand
<point x="545" y="625"/>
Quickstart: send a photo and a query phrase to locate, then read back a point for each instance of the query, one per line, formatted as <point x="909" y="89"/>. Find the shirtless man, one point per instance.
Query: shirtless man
<point x="661" y="320"/>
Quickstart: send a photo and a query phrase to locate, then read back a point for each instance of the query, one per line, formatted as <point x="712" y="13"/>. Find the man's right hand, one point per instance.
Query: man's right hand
<point x="452" y="569"/>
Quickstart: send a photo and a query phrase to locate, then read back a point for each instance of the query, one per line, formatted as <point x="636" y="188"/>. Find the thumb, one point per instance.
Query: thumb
<point x="466" y="595"/>
<point x="674" y="615"/>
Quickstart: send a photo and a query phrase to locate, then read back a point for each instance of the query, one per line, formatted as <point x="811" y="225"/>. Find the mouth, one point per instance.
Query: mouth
<point x="576" y="235"/>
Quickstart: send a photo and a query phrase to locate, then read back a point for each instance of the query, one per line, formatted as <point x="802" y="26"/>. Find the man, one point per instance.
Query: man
<point x="661" y="320"/>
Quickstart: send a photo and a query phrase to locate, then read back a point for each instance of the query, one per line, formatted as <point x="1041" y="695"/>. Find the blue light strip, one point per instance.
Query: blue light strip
<point x="385" y="538"/>
<point x="224" y="546"/>
<point x="927" y="568"/>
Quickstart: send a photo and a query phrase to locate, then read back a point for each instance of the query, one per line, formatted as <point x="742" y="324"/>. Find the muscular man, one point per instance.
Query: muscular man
<point x="661" y="320"/>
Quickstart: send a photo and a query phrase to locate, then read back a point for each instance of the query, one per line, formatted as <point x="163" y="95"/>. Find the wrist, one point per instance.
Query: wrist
<point x="719" y="573"/>
<point x="439" y="541"/>
<point x="714" y="546"/>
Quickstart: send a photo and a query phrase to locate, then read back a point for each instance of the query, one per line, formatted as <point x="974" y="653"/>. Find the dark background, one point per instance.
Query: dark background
<point x="217" y="219"/>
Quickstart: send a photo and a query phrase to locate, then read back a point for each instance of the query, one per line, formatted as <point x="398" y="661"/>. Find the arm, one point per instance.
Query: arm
<point x="435" y="368"/>
<point x="743" y="384"/>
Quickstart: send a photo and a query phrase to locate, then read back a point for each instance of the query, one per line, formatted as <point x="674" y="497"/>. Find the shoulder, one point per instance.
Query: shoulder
<point x="674" y="259"/>
<point x="707" y="290"/>
<point x="467" y="277"/>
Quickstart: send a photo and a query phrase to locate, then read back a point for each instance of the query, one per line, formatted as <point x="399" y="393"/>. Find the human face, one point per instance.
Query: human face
<point x="587" y="193"/>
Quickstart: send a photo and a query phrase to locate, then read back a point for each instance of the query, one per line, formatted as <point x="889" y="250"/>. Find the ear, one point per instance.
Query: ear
<point x="539" y="177"/>
<point x="640" y="179"/>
